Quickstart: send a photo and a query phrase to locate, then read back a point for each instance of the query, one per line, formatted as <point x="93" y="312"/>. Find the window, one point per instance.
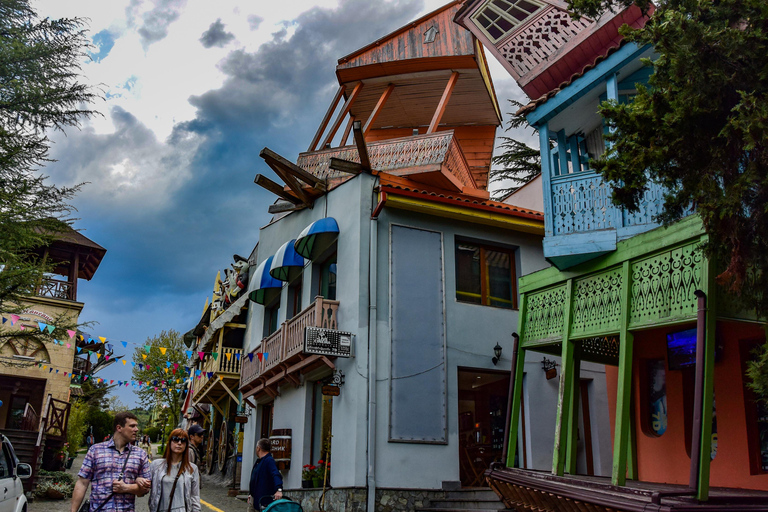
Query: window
<point x="327" y="285"/>
<point x="485" y="275"/>
<point x="294" y="297"/>
<point x="498" y="17"/>
<point x="270" y="317"/>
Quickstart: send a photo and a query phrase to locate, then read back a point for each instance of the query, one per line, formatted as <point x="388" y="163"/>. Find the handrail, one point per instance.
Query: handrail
<point x="30" y="420"/>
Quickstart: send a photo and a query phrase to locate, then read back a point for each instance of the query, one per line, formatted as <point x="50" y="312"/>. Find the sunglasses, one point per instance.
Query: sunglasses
<point x="177" y="439"/>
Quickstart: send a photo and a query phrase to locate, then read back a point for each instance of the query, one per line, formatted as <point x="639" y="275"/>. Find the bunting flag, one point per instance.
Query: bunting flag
<point x="210" y="374"/>
<point x="123" y="362"/>
<point x="168" y="364"/>
<point x="68" y="345"/>
<point x="133" y="363"/>
<point x="125" y="344"/>
<point x="201" y="354"/>
<point x="266" y="355"/>
<point x="144" y="356"/>
<point x="250" y="356"/>
<point x="215" y="356"/>
<point x="147" y="347"/>
<point x="237" y="355"/>
<point x="79" y="349"/>
<point x="111" y="381"/>
<point x="110" y="347"/>
<point x="259" y="354"/>
<point x="21" y="327"/>
<point x="189" y="353"/>
<point x="42" y="326"/>
<point x="162" y="350"/>
<point x="4" y="320"/>
<point x="97" y="355"/>
<point x="50" y="329"/>
<point x="229" y="356"/>
<point x="175" y="366"/>
<point x="102" y="339"/>
<point x="71" y="334"/>
<point x="14" y="319"/>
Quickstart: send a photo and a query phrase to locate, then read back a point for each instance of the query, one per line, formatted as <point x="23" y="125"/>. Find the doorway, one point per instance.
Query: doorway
<point x="482" y="418"/>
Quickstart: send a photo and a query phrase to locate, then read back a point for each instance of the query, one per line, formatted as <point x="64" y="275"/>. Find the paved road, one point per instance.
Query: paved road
<point x="213" y="497"/>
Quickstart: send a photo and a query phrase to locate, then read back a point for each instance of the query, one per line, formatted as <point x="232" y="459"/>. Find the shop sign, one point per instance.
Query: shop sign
<point x="331" y="390"/>
<point x="327" y="342"/>
<point x="280" y="440"/>
<point x="241" y="419"/>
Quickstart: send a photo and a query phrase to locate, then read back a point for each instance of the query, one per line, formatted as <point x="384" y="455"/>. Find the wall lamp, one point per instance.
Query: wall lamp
<point x="549" y="367"/>
<point x="496" y="353"/>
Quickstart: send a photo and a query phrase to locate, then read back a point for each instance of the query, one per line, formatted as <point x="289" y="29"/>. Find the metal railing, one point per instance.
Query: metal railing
<point x="288" y="340"/>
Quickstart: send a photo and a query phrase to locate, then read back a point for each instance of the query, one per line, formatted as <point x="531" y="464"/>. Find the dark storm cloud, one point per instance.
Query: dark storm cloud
<point x="216" y="35"/>
<point x="155" y="22"/>
<point x="172" y="213"/>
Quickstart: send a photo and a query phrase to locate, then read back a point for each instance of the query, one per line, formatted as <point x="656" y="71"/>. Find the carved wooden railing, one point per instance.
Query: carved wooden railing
<point x="441" y="149"/>
<point x="57" y="419"/>
<point x="288" y="340"/>
<point x="223" y="363"/>
<point x="30" y="421"/>
<point x="56" y="289"/>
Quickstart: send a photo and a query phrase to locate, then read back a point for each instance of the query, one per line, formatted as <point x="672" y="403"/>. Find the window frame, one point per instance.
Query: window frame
<point x="490" y="6"/>
<point x="485" y="298"/>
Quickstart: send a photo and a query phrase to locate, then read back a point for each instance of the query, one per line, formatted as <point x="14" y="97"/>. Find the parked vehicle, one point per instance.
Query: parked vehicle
<point x="12" y="472"/>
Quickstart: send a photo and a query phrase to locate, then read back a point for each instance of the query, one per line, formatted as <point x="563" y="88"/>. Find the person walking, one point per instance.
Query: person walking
<point x="118" y="471"/>
<point x="266" y="482"/>
<point x="89" y="440"/>
<point x="196" y="435"/>
<point x="146" y="445"/>
<point x="175" y="480"/>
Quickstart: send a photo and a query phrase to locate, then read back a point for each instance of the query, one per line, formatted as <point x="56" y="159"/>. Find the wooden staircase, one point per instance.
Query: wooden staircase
<point x="472" y="499"/>
<point x="23" y="442"/>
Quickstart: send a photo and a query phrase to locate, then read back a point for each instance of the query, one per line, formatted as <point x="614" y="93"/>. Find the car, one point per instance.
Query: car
<point x="12" y="472"/>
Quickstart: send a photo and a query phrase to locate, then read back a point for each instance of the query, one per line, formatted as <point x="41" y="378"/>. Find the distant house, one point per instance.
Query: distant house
<point x="36" y="371"/>
<point x="686" y="431"/>
<point x="385" y="289"/>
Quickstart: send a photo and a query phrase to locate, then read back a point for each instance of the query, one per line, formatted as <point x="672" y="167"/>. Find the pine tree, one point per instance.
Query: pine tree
<point x="519" y="163"/>
<point x="39" y="91"/>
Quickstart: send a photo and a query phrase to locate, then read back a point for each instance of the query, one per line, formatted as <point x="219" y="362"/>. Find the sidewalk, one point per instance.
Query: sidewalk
<point x="213" y="496"/>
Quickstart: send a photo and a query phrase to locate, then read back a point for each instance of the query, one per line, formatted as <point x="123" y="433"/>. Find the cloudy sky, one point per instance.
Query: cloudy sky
<point x="193" y="90"/>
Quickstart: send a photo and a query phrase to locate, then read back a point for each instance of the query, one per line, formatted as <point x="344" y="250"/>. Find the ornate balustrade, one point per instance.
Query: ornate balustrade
<point x="288" y="340"/>
<point x="436" y="149"/>
<point x="56" y="289"/>
<point x="223" y="364"/>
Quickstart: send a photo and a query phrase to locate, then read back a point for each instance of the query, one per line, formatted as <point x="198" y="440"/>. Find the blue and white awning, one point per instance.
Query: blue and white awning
<point x="266" y="287"/>
<point x="287" y="263"/>
<point x="317" y="237"/>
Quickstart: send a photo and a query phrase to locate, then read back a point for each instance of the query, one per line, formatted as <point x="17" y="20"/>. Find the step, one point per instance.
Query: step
<point x="476" y="493"/>
<point x="464" y="504"/>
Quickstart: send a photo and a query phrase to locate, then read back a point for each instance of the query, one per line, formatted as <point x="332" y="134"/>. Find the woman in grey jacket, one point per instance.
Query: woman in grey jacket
<point x="175" y="480"/>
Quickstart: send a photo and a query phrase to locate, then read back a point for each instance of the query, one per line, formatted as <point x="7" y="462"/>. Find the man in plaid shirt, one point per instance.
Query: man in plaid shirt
<point x="113" y="489"/>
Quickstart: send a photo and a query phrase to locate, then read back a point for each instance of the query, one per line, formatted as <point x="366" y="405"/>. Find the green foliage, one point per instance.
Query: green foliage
<point x="159" y="375"/>
<point x="519" y="162"/>
<point x="153" y="433"/>
<point x="77" y="426"/>
<point x="44" y="487"/>
<point x="39" y="91"/>
<point x="143" y="415"/>
<point x="700" y="130"/>
<point x="100" y="422"/>
<point x="757" y="372"/>
<point x="59" y="477"/>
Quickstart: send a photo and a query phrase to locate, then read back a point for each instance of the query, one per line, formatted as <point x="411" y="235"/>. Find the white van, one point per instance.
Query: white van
<point x="12" y="497"/>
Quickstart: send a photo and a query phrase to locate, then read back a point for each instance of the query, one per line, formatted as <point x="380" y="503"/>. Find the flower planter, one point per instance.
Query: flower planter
<point x="317" y="482"/>
<point x="70" y="460"/>
<point x="306" y="484"/>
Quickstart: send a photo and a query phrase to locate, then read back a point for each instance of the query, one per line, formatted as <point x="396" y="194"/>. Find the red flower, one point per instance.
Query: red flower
<point x="320" y="462"/>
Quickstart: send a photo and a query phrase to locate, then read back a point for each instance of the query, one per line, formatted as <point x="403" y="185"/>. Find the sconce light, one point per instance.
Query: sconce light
<point x="549" y="367"/>
<point x="496" y="353"/>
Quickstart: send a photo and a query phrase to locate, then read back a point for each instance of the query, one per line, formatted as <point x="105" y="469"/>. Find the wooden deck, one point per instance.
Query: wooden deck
<point x="540" y="491"/>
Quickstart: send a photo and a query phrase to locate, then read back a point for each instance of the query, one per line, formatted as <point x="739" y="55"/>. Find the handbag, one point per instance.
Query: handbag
<point x="86" y="504"/>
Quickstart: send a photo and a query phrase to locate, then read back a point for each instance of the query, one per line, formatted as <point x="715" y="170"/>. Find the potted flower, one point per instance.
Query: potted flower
<point x="307" y="474"/>
<point x="321" y="473"/>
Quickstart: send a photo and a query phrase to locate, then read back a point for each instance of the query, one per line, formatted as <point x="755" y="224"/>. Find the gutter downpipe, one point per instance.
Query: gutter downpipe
<point x="372" y="315"/>
<point x="698" y="397"/>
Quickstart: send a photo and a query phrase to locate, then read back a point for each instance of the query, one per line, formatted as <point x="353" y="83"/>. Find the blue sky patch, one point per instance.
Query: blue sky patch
<point x="103" y="41"/>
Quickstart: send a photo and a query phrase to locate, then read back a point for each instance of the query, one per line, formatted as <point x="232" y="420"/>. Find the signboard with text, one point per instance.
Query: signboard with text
<point x="327" y="342"/>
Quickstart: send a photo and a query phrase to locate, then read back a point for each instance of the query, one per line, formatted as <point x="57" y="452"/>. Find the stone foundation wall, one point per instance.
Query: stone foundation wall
<point x="353" y="499"/>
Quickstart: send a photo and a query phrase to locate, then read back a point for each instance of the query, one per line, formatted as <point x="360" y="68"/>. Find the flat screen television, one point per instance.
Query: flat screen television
<point x="681" y="349"/>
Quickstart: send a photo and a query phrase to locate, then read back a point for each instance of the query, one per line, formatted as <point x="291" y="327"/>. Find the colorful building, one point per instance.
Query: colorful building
<point x="686" y="431"/>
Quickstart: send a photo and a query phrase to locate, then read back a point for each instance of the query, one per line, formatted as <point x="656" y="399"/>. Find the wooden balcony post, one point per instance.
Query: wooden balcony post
<point x="378" y="108"/>
<point x="443" y="103"/>
<point x="327" y="117"/>
<point x="344" y="111"/>
<point x="624" y="387"/>
<point x="565" y="392"/>
<point x="546" y="178"/>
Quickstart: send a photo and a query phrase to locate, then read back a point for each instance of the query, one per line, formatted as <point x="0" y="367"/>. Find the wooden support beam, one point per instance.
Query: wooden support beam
<point x="344" y="111"/>
<point x="289" y="180"/>
<point x="327" y="117"/>
<point x="624" y="387"/>
<point x="226" y="388"/>
<point x="378" y="108"/>
<point x="345" y="135"/>
<point x="285" y="207"/>
<point x="248" y="401"/>
<point x="362" y="148"/>
<point x="337" y="164"/>
<point x="443" y="102"/>
<point x="564" y="397"/>
<point x="216" y="405"/>
<point x="276" y="189"/>
<point x="296" y="171"/>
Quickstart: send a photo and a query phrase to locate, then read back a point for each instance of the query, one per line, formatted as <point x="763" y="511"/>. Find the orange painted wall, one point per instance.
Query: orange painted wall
<point x="664" y="459"/>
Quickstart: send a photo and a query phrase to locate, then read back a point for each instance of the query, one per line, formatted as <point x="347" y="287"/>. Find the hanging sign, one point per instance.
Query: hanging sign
<point x="280" y="440"/>
<point x="327" y="342"/>
<point x="331" y="390"/>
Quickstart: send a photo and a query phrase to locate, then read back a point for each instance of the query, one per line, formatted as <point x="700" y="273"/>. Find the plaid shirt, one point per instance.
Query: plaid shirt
<point x="103" y="465"/>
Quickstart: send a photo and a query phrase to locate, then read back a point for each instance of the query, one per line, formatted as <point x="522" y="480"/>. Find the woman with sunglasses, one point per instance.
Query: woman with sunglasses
<point x="175" y="480"/>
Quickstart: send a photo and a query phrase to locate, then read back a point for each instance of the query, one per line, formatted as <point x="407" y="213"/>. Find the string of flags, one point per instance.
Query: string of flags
<point x="171" y="368"/>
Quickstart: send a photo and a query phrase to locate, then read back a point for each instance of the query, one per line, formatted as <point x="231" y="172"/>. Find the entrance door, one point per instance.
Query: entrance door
<point x="482" y="418"/>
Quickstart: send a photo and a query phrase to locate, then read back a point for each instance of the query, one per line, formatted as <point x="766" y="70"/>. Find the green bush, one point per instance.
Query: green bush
<point x="153" y="433"/>
<point x="43" y="487"/>
<point x="59" y="477"/>
<point x="78" y="424"/>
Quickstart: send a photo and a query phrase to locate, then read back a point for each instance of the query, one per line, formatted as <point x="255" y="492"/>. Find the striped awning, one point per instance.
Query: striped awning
<point x="317" y="237"/>
<point x="287" y="263"/>
<point x="266" y="288"/>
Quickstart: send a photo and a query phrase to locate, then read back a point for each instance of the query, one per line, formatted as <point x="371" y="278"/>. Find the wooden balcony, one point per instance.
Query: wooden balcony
<point x="285" y="351"/>
<point x="56" y="289"/>
<point x="434" y="159"/>
<point x="224" y="370"/>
